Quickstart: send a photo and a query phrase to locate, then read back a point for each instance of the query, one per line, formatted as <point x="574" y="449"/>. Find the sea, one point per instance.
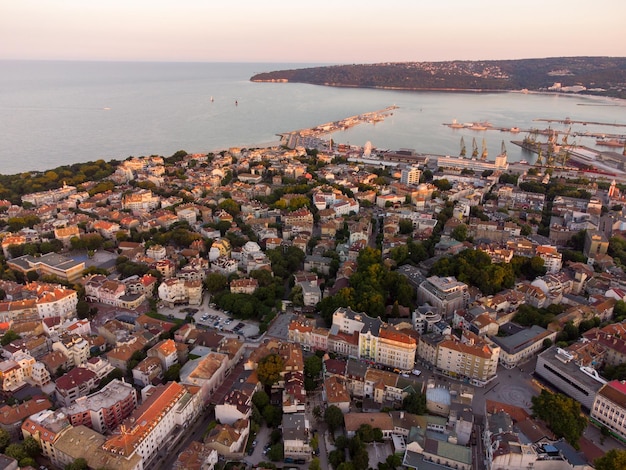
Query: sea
<point x="54" y="113"/>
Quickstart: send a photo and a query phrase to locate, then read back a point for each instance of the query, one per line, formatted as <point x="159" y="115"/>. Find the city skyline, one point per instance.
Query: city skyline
<point x="297" y="32"/>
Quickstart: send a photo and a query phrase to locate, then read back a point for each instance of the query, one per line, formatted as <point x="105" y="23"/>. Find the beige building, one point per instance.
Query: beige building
<point x="472" y="358"/>
<point x="609" y="407"/>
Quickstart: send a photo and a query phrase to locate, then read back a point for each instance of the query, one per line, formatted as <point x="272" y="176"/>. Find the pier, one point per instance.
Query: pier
<point x="584" y="123"/>
<point x="307" y="137"/>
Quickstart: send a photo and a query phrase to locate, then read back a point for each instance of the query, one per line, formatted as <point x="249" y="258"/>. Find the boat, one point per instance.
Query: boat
<point x="514" y="130"/>
<point x="456" y="125"/>
<point x="212" y="99"/>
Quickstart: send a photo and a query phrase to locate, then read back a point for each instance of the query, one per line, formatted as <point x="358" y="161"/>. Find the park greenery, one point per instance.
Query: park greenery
<point x="474" y="267"/>
<point x="372" y="287"/>
<point x="562" y="414"/>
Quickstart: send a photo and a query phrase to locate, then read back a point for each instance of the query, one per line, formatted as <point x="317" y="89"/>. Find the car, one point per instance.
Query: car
<point x="251" y="450"/>
<point x="254" y="443"/>
<point x="417" y="372"/>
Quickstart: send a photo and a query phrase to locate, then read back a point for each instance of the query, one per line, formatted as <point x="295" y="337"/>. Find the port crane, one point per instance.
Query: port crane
<point x="474" y="148"/>
<point x="463" y="150"/>
<point x="483" y="155"/>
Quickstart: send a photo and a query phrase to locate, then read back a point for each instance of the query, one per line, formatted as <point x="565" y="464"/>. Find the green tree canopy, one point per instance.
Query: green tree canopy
<point x="333" y="417"/>
<point x="5" y="439"/>
<point x="269" y="369"/>
<point x="562" y="414"/>
<point x="312" y="366"/>
<point x="414" y="403"/>
<point x="615" y="459"/>
<point x="9" y="336"/>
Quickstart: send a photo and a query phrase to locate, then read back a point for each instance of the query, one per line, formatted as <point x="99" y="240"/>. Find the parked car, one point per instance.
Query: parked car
<point x="416" y="372"/>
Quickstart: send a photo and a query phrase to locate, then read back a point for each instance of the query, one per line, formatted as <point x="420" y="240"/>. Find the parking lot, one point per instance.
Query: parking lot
<point x="211" y="317"/>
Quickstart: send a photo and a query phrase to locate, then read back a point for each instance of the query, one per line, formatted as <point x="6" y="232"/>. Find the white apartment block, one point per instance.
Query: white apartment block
<point x="609" y="407"/>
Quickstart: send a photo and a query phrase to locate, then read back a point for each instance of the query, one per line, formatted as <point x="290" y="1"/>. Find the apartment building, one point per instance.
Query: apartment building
<point x="444" y="294"/>
<point x="470" y="358"/>
<point x="609" y="407"/>
<point x="152" y="424"/>
<point x="106" y="409"/>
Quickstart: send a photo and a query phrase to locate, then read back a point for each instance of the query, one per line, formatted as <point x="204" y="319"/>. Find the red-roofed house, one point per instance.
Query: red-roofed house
<point x="235" y="405"/>
<point x="76" y="383"/>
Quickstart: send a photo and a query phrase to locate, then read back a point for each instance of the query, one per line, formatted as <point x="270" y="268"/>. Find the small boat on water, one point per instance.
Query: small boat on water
<point x="514" y="130"/>
<point x="456" y="125"/>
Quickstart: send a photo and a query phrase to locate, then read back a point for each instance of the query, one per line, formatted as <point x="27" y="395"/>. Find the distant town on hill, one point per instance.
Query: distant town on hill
<point x="604" y="76"/>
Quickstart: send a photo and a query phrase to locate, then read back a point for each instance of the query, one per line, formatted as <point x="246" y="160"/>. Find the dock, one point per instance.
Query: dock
<point x="584" y="123"/>
<point x="295" y="138"/>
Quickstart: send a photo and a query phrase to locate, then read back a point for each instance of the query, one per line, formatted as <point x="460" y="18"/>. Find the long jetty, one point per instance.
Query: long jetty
<point x="584" y="123"/>
<point x="310" y="135"/>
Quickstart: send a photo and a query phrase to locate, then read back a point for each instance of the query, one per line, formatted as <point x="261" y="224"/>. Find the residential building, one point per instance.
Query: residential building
<point x="207" y="372"/>
<point x="236" y="405"/>
<point x="76" y="383"/>
<point x="166" y="352"/>
<point x="471" y="358"/>
<point x="197" y="456"/>
<point x="296" y="437"/>
<point x="596" y="243"/>
<point x="151" y="426"/>
<point x="229" y="440"/>
<point x="12" y="416"/>
<point x="445" y="294"/>
<point x="45" y="427"/>
<point x="82" y="442"/>
<point x="609" y="407"/>
<point x="335" y="393"/>
<point x="522" y="345"/>
<point x="104" y="410"/>
<point x="149" y="371"/>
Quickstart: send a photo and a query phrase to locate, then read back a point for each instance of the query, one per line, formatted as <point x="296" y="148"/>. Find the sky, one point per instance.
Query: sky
<point x="300" y="31"/>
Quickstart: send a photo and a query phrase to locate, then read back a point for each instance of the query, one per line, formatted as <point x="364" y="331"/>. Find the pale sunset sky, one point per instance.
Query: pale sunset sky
<point x="322" y="31"/>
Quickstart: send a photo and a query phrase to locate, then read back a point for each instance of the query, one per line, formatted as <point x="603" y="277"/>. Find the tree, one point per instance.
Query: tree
<point x="615" y="459"/>
<point x="313" y="366"/>
<point x="31" y="447"/>
<point x="562" y="414"/>
<point x="5" y="439"/>
<point x="297" y="296"/>
<point x="269" y="369"/>
<point x="260" y="399"/>
<point x="276" y="452"/>
<point x="459" y="233"/>
<point x="333" y="417"/>
<point x="78" y="464"/>
<point x="172" y="374"/>
<point x="315" y="464"/>
<point x="272" y="415"/>
<point x="414" y="403"/>
<point x="405" y="226"/>
<point x="8" y="337"/>
<point x="336" y="458"/>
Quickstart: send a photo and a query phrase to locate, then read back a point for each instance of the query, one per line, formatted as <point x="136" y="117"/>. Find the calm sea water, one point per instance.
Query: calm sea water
<point x="55" y="113"/>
